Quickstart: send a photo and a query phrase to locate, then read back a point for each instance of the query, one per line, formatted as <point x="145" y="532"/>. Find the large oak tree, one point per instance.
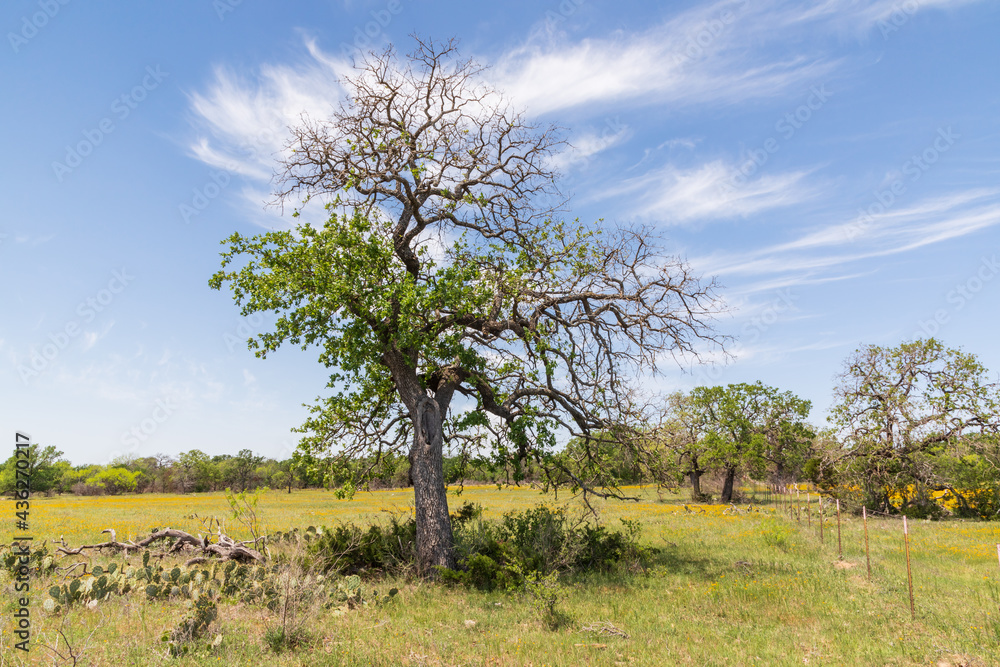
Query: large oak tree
<point x="900" y="411"/>
<point x="449" y="300"/>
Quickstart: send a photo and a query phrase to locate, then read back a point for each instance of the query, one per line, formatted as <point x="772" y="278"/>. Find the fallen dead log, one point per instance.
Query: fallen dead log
<point x="225" y="549"/>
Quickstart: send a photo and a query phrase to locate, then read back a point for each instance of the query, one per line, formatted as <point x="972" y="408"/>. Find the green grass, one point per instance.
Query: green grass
<point x="725" y="589"/>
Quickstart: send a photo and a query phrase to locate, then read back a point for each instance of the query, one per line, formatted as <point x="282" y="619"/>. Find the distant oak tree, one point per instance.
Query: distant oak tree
<point x="751" y="427"/>
<point x="900" y="411"/>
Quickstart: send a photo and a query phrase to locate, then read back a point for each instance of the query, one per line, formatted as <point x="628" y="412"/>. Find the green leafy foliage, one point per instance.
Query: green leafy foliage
<point x="243" y="508"/>
<point x="542" y="541"/>
<point x="114" y="481"/>
<point x="280" y="639"/>
<point x="919" y="426"/>
<point x="349" y="549"/>
<point x="544" y="591"/>
<point x="974" y="483"/>
<point x="45" y="468"/>
<point x="750" y="427"/>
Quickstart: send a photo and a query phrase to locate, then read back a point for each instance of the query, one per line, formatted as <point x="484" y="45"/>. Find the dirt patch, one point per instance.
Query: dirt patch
<point x="844" y="565"/>
<point x="957" y="661"/>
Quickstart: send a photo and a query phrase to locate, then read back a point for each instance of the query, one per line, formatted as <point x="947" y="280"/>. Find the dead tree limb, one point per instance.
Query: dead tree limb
<point x="226" y="548"/>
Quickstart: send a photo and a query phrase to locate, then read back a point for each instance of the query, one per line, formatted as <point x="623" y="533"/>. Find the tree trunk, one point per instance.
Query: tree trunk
<point x="779" y="470"/>
<point x="695" y="484"/>
<point x="435" y="540"/>
<point x="727" y="486"/>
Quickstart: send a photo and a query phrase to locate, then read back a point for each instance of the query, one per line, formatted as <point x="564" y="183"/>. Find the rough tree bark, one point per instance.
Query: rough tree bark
<point x="434" y="534"/>
<point x="728" y="484"/>
<point x="695" y="484"/>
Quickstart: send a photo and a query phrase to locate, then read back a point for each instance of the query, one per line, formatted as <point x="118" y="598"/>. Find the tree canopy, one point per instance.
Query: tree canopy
<point x="748" y="426"/>
<point x="445" y="294"/>
<point x="908" y="416"/>
<point x="44" y="466"/>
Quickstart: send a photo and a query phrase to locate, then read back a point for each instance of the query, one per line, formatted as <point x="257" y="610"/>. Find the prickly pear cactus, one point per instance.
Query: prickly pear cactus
<point x="349" y="593"/>
<point x="40" y="561"/>
<point x="193" y="628"/>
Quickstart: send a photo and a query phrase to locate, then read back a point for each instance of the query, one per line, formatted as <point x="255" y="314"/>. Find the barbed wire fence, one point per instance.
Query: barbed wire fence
<point x="787" y="501"/>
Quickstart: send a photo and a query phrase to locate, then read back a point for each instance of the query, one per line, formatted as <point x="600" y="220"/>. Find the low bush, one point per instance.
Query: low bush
<point x="379" y="549"/>
<point x="537" y="542"/>
<point x="490" y="554"/>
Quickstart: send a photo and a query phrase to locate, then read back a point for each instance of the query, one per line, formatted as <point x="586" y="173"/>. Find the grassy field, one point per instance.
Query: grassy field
<point x="746" y="588"/>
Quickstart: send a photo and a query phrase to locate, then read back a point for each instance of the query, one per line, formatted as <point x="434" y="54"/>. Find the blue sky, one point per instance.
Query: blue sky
<point x="834" y="163"/>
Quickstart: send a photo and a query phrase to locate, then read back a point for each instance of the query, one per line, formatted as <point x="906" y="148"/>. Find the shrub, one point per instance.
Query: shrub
<point x="538" y="542"/>
<point x="347" y="549"/>
<point x="490" y="555"/>
<point x="279" y="639"/>
<point x="114" y="481"/>
<point x="976" y="487"/>
<point x="544" y="592"/>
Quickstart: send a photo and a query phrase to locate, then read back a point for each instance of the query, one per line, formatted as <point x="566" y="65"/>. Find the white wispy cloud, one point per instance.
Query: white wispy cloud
<point x="934" y="220"/>
<point x="729" y="51"/>
<point x="697" y="56"/>
<point x="29" y="239"/>
<point x="868" y="14"/>
<point x="775" y="284"/>
<point x="91" y="338"/>
<point x="726" y="52"/>
<point x="584" y="146"/>
<point x="676" y="195"/>
<point x="244" y="118"/>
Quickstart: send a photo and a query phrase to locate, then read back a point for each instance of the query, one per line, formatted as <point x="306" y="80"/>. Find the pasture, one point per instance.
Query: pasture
<point x="725" y="588"/>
